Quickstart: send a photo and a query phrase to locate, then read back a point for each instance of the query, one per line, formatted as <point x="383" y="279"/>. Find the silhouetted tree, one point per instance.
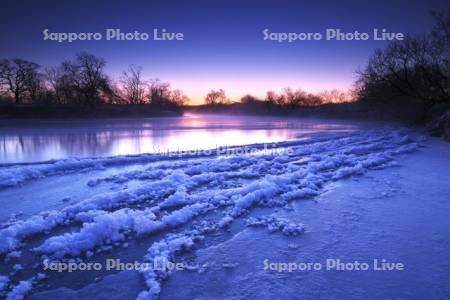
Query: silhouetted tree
<point x="312" y="100"/>
<point x="21" y="78"/>
<point x="178" y="98"/>
<point x="81" y="82"/>
<point x="68" y="85"/>
<point x="52" y="77"/>
<point x="159" y="92"/>
<point x="416" y="68"/>
<point x="294" y="98"/>
<point x="93" y="82"/>
<point x="216" y="97"/>
<point x="271" y="97"/>
<point x="35" y="85"/>
<point x="248" y="99"/>
<point x="133" y="85"/>
<point x="334" y="96"/>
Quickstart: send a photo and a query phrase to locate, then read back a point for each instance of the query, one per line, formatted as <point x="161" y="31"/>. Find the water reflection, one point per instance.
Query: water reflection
<point x="29" y="141"/>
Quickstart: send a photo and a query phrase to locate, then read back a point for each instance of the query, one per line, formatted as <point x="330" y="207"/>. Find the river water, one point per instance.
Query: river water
<point x="42" y="140"/>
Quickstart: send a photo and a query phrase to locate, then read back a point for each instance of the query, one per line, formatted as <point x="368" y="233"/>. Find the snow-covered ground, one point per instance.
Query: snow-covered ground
<point x="355" y="196"/>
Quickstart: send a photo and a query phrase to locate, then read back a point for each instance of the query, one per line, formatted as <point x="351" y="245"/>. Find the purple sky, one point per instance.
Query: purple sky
<point x="223" y="46"/>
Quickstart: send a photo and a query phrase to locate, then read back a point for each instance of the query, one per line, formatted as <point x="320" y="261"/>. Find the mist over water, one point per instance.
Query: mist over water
<point x="34" y="141"/>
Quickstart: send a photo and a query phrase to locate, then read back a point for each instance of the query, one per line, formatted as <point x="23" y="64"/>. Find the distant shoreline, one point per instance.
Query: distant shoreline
<point x="31" y="111"/>
<point x="359" y="110"/>
<point x="354" y="110"/>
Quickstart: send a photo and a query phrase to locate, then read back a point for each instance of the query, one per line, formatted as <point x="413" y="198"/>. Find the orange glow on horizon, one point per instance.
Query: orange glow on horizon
<point x="235" y="88"/>
<point x="198" y="98"/>
<point x="238" y="84"/>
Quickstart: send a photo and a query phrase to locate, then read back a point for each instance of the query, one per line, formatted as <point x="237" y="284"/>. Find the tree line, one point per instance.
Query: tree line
<point x="286" y="98"/>
<point x="82" y="82"/>
<point x="416" y="68"/>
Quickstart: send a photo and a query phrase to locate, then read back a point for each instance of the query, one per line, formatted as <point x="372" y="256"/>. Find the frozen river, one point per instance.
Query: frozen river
<point x="333" y="190"/>
<point x="41" y="140"/>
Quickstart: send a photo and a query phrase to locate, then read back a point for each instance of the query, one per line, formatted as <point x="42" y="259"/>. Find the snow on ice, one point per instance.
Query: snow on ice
<point x="170" y="192"/>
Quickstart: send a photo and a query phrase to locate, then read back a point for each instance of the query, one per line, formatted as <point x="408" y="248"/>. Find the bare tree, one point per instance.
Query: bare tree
<point x="81" y="82"/>
<point x="178" y="98"/>
<point x="93" y="81"/>
<point x="271" y="97"/>
<point x="133" y="85"/>
<point x="415" y="68"/>
<point x="52" y="77"/>
<point x="69" y="84"/>
<point x="334" y="96"/>
<point x="21" y="78"/>
<point x="5" y="76"/>
<point x="216" y="97"/>
<point x="35" y="86"/>
<point x="298" y="98"/>
<point x="293" y="98"/>
<point x="247" y="99"/>
<point x="159" y="92"/>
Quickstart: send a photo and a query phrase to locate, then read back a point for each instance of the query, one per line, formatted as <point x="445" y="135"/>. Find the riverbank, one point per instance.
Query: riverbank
<point x="399" y="111"/>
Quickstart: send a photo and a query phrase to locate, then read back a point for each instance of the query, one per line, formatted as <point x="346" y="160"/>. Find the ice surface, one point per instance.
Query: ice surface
<point x="274" y="223"/>
<point x="20" y="290"/>
<point x="182" y="199"/>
